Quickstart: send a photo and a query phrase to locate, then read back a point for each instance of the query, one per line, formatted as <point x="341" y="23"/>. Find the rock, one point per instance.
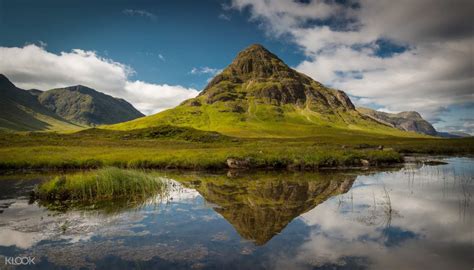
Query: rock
<point x="365" y="162"/>
<point x="195" y="103"/>
<point x="236" y="163"/>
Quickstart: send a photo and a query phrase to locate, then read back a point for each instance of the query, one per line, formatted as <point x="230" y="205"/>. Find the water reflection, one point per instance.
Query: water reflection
<point x="409" y="218"/>
<point x="259" y="206"/>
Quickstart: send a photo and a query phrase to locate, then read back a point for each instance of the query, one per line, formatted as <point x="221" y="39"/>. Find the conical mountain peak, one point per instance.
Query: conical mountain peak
<point x="259" y="75"/>
<point x="257" y="62"/>
<point x="258" y="92"/>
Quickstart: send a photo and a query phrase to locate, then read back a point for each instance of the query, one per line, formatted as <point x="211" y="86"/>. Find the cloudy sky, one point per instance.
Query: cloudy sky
<point x="388" y="55"/>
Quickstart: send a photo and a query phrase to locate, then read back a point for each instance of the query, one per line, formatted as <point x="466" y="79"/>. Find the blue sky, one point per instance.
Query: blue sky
<point x="187" y="35"/>
<point x="157" y="53"/>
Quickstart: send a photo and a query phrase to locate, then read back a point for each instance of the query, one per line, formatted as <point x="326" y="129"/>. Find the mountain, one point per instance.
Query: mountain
<point x="69" y="108"/>
<point x="259" y="95"/>
<point x="21" y="111"/>
<point x="80" y="104"/>
<point x="408" y="121"/>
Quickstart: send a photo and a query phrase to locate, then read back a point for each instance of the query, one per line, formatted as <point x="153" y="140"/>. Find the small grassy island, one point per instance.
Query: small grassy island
<point x="107" y="189"/>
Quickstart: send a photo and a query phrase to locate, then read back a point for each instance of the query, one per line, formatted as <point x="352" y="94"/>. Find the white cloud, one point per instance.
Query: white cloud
<point x="34" y="67"/>
<point x="224" y="17"/>
<point x="205" y="70"/>
<point x="154" y="98"/>
<point x="435" y="71"/>
<point x="139" y="12"/>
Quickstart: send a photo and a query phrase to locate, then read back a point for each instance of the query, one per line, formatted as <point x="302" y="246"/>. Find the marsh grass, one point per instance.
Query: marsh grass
<point x="102" y="185"/>
<point x="165" y="148"/>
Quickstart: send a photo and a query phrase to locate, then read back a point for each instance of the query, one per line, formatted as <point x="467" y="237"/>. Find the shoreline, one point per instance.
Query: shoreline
<point x="430" y="160"/>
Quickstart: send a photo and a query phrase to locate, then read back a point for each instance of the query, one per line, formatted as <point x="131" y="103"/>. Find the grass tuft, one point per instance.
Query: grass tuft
<point x="104" y="184"/>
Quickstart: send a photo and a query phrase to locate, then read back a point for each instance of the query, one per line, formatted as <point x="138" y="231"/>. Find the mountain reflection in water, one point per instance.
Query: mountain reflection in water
<point x="261" y="206"/>
<point x="407" y="218"/>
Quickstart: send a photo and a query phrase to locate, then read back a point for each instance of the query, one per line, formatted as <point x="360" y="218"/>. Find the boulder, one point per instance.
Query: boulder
<point x="365" y="162"/>
<point x="238" y="163"/>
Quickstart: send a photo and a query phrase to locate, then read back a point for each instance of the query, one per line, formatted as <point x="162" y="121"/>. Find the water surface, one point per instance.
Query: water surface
<point x="408" y="218"/>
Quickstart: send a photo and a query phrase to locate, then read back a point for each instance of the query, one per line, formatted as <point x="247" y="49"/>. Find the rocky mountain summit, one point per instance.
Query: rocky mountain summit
<point x="257" y="74"/>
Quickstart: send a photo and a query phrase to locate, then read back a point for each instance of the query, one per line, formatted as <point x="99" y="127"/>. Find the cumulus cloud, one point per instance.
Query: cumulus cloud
<point x="153" y="98"/>
<point x="33" y="67"/>
<point x="341" y="43"/>
<point x="139" y="12"/>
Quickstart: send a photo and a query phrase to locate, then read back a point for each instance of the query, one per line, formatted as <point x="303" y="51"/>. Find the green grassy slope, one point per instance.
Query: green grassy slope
<point x="261" y="120"/>
<point x="21" y="111"/>
<point x="258" y="95"/>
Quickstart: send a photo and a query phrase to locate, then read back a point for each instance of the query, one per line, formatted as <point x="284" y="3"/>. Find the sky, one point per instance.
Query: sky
<point x="388" y="55"/>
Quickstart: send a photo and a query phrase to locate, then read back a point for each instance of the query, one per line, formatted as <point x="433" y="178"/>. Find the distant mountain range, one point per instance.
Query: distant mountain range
<point x="409" y="121"/>
<point x="87" y="106"/>
<point x="259" y="95"/>
<point x="69" y="108"/>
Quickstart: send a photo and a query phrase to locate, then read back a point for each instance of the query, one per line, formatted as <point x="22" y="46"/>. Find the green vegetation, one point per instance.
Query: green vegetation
<point x="97" y="148"/>
<point x="103" y="184"/>
<point x="257" y="113"/>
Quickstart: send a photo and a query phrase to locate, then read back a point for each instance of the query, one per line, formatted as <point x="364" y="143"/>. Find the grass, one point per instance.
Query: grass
<point x="261" y="121"/>
<point x="98" y="148"/>
<point x="103" y="184"/>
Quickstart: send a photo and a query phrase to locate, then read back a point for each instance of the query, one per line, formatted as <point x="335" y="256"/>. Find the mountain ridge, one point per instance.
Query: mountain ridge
<point x="21" y="111"/>
<point x="87" y="106"/>
<point x="61" y="109"/>
<point x="257" y="94"/>
<point x="408" y="121"/>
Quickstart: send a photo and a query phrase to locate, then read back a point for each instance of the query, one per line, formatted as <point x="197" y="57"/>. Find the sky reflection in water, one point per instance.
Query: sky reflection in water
<point x="407" y="218"/>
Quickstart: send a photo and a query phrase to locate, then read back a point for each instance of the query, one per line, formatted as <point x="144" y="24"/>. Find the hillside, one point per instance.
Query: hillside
<point x="258" y="95"/>
<point x="62" y="109"/>
<point x="408" y="121"/>
<point x="80" y="104"/>
<point x="21" y="111"/>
